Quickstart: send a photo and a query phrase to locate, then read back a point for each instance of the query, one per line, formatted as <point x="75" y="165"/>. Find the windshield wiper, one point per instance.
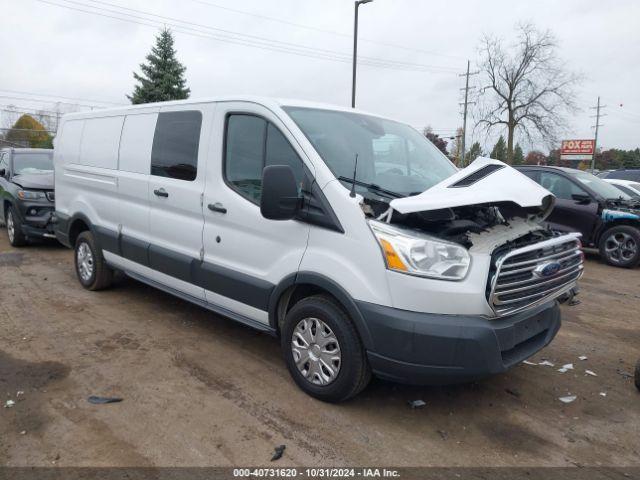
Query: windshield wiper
<point x="372" y="187"/>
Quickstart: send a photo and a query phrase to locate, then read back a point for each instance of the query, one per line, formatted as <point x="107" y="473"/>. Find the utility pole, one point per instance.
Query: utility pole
<point x="597" y="116"/>
<point x="355" y="50"/>
<point x="466" y="105"/>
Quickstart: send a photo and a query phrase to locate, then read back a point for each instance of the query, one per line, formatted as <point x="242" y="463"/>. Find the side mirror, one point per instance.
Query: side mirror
<point x="280" y="200"/>
<point x="581" y="198"/>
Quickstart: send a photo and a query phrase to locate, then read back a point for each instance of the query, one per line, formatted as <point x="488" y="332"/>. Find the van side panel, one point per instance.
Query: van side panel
<point x="67" y="150"/>
<point x="100" y="139"/>
<point x="133" y="184"/>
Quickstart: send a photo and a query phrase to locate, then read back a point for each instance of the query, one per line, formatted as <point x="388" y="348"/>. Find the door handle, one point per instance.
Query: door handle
<point x="161" y="192"/>
<point x="217" y="207"/>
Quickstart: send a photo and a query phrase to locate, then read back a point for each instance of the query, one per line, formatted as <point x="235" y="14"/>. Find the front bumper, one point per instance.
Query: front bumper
<point x="431" y="349"/>
<point x="36" y="219"/>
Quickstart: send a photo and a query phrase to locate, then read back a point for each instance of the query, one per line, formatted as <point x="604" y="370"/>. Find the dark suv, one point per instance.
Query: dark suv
<point x="607" y="218"/>
<point x="26" y="193"/>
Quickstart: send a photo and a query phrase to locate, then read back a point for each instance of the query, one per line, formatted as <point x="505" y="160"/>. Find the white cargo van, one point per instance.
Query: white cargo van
<point x="346" y="234"/>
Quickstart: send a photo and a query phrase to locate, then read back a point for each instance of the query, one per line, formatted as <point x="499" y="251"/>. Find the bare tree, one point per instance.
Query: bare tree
<point x="528" y="90"/>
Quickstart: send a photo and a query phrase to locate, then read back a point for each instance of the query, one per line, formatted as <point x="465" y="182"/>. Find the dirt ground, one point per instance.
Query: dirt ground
<point x="201" y="390"/>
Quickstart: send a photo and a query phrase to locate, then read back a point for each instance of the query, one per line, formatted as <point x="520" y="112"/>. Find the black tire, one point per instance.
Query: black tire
<point x="354" y="372"/>
<point x="99" y="275"/>
<point x="17" y="238"/>
<point x="637" y="375"/>
<point x="620" y="246"/>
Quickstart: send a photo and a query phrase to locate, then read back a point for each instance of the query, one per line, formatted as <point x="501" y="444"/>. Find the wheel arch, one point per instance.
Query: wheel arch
<point x="78" y="223"/>
<point x="627" y="222"/>
<point x="297" y="286"/>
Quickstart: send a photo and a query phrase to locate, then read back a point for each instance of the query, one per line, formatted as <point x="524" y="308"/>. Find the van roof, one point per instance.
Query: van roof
<point x="260" y="100"/>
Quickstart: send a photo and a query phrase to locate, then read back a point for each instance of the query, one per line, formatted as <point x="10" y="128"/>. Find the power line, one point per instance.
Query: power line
<point x="28" y="99"/>
<point x="321" y="30"/>
<point x="243" y="39"/>
<point x="59" y="96"/>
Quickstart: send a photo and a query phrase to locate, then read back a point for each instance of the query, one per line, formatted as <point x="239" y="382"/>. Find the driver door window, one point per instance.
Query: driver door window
<point x="560" y="186"/>
<point x="251" y="144"/>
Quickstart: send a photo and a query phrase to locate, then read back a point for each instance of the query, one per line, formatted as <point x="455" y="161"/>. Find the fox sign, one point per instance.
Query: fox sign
<point x="577" y="149"/>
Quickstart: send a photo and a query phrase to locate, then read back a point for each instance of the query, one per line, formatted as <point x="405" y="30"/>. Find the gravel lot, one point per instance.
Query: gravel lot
<point x="202" y="390"/>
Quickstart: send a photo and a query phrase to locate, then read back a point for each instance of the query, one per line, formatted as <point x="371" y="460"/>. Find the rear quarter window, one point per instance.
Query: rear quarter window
<point x="174" y="153"/>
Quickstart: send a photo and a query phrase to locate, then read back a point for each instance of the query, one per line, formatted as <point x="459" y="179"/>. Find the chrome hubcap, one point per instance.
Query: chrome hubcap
<point x="620" y="247"/>
<point x="316" y="351"/>
<point x="84" y="260"/>
<point x="10" y="227"/>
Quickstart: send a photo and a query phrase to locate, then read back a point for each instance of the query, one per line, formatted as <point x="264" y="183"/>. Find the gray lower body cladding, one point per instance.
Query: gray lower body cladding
<point x="431" y="349"/>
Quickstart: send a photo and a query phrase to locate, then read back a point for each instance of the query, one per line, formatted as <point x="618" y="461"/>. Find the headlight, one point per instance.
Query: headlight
<point x="30" y="195"/>
<point x="413" y="253"/>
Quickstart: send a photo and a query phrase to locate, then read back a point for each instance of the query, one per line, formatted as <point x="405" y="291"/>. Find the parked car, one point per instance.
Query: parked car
<point x="627" y="186"/>
<point x="602" y="173"/>
<point x="26" y="192"/>
<point x="632" y="174"/>
<point x="305" y="221"/>
<point x="607" y="218"/>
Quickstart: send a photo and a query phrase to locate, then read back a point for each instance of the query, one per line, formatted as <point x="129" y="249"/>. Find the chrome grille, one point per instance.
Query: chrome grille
<point x="535" y="274"/>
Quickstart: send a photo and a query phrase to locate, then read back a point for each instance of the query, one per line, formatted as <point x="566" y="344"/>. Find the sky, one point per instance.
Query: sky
<point x="411" y="54"/>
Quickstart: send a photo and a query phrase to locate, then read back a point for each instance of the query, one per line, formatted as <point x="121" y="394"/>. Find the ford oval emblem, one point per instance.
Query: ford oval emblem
<point x="547" y="269"/>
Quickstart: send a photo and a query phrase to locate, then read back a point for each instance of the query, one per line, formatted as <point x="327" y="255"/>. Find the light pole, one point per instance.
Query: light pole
<point x="355" y="51"/>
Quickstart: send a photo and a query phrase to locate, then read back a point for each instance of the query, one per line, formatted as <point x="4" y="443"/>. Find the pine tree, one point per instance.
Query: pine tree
<point x="474" y="152"/>
<point x="499" y="151"/>
<point x="162" y="77"/>
<point x="518" y="155"/>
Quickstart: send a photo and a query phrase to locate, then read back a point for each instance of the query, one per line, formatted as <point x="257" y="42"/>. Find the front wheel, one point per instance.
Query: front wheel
<point x="91" y="269"/>
<point x="620" y="246"/>
<point x="17" y="238"/>
<point x="323" y="350"/>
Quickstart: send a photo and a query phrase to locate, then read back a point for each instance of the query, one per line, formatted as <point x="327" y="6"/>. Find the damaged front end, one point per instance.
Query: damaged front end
<point x="486" y="209"/>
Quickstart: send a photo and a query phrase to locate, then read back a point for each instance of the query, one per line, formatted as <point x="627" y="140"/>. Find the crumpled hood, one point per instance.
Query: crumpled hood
<point x="40" y="181"/>
<point x="485" y="181"/>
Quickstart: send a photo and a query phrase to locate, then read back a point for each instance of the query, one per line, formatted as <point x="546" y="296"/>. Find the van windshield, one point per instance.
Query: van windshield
<point x="392" y="157"/>
<point x="24" y="163"/>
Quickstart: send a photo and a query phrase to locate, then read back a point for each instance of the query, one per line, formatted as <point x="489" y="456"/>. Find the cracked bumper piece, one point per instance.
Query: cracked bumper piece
<point x="431" y="349"/>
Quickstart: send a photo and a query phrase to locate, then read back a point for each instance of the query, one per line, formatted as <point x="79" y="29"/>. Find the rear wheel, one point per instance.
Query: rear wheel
<point x="620" y="246"/>
<point x="17" y="238"/>
<point x="637" y="375"/>
<point x="91" y="269"/>
<point x="323" y="351"/>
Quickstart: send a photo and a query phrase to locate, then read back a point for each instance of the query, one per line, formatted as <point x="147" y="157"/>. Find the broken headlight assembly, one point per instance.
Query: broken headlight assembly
<point x="413" y="253"/>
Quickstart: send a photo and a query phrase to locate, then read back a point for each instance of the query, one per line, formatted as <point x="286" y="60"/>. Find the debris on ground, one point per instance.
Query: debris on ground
<point x="582" y="357"/>
<point x="603" y="394"/>
<point x="23" y="432"/>
<point x="19" y="393"/>
<point x="513" y="391"/>
<point x="102" y="400"/>
<point x="527" y="362"/>
<point x="567" y="399"/>
<point x="277" y="454"/>
<point x="9" y="404"/>
<point x="417" y="404"/>
<point x="626" y="375"/>
<point x="591" y="372"/>
<point x="546" y="363"/>
<point x="443" y="434"/>
<point x="566" y="367"/>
